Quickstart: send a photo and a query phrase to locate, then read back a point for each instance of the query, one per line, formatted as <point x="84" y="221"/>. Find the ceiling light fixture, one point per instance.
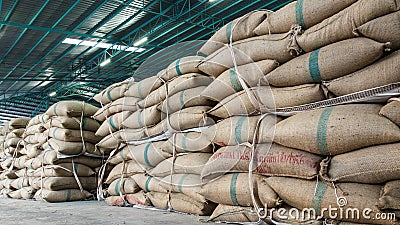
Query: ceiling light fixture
<point x="52" y="94"/>
<point x="141" y="41"/>
<point x="79" y="42"/>
<point x="105" y="62"/>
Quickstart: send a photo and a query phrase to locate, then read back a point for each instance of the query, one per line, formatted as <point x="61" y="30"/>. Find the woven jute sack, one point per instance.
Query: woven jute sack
<point x="143" y="118"/>
<point x="73" y="123"/>
<point x="119" y="105"/>
<point x="228" y="82"/>
<point x="33" y="163"/>
<point x="181" y="203"/>
<point x="371" y="165"/>
<point x="73" y="135"/>
<point x="123" y="186"/>
<point x="120" y="155"/>
<point x="383" y="29"/>
<point x="192" y="163"/>
<point x="138" y="198"/>
<point x="18" y="123"/>
<point x="156" y="130"/>
<point x="72" y="148"/>
<point x="112" y="123"/>
<point x="318" y="195"/>
<point x="125" y="169"/>
<point x="306" y="13"/>
<point x="188" y="142"/>
<point x="341" y="25"/>
<point x="149" y="154"/>
<point x="114" y="140"/>
<point x="27" y="192"/>
<point x="14" y="194"/>
<point x="382" y="72"/>
<point x="184" y="99"/>
<point x="326" y="131"/>
<point x="38" y="128"/>
<point x="268" y="98"/>
<point x="192" y="117"/>
<point x="329" y="62"/>
<point x="33" y="150"/>
<point x="230" y="213"/>
<point x="38" y="119"/>
<point x="142" y="88"/>
<point x="61" y="183"/>
<point x="182" y="66"/>
<point x="148" y="183"/>
<point x="113" y="92"/>
<point x="71" y="108"/>
<point x="246" y="51"/>
<point x="270" y="160"/>
<point x="66" y="195"/>
<point x="51" y="158"/>
<point x="391" y="110"/>
<point x="233" y="189"/>
<point x="20" y="183"/>
<point x="240" y="28"/>
<point x="186" y="81"/>
<point x="390" y="196"/>
<point x="64" y="170"/>
<point x="188" y="184"/>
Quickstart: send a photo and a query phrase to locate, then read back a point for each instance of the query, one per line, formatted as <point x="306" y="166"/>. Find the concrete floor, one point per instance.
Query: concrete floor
<point x="86" y="212"/>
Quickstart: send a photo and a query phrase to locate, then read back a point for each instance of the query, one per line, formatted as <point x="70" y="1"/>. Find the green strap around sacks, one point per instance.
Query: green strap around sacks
<point x="139" y="119"/>
<point x="180" y="183"/>
<point x="181" y="99"/>
<point x="146" y="187"/>
<point x="299" y="14"/>
<point x="322" y="130"/>
<point x="178" y="70"/>
<point x="319" y="196"/>
<point x="238" y="129"/>
<point x="109" y="95"/>
<point x="84" y="120"/>
<point x="313" y="66"/>
<point x="234" y="80"/>
<point x="145" y="154"/>
<point x="232" y="189"/>
<point x="116" y="188"/>
<point x="55" y="109"/>
<point x="54" y="132"/>
<point x="68" y="197"/>
<point x="228" y="31"/>
<point x="184" y="145"/>
<point x="139" y="86"/>
<point x="112" y="124"/>
<point x="76" y="165"/>
<point x="121" y="154"/>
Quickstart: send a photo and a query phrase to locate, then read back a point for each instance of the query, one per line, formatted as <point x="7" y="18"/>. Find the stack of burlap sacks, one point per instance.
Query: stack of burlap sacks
<point x="66" y="168"/>
<point x="161" y="150"/>
<point x="14" y="176"/>
<point x="324" y="49"/>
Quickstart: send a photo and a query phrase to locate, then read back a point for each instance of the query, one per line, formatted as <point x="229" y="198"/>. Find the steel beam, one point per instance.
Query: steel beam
<point x="9" y="13"/>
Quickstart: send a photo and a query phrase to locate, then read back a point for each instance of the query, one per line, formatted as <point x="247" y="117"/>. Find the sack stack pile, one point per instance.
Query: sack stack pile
<point x="66" y="169"/>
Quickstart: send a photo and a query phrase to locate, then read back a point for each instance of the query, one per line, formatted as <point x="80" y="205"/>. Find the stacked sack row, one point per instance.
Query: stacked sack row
<point x="317" y="158"/>
<point x="14" y="176"/>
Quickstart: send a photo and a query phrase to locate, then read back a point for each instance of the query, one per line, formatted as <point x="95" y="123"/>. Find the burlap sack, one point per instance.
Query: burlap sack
<point x="149" y="154"/>
<point x="192" y="117"/>
<point x="12" y="142"/>
<point x="119" y="105"/>
<point x="120" y="156"/>
<point x="188" y="184"/>
<point x="51" y="158"/>
<point x="38" y="128"/>
<point x="113" y="92"/>
<point x="20" y="183"/>
<point x="306" y="13"/>
<point x="383" y="29"/>
<point x="148" y="183"/>
<point x="268" y="98"/>
<point x="228" y="83"/>
<point x="125" y="169"/>
<point x="156" y="130"/>
<point x="390" y="196"/>
<point x="135" y="199"/>
<point x="246" y="51"/>
<point x="319" y="195"/>
<point x="391" y="110"/>
<point x="73" y="135"/>
<point x="114" y="140"/>
<point x="72" y="148"/>
<point x="327" y="63"/>
<point x="33" y="150"/>
<point x="382" y="72"/>
<point x="123" y="186"/>
<point x="19" y="163"/>
<point x="341" y="25"/>
<point x="18" y="123"/>
<point x="232" y="214"/>
<point x="61" y="183"/>
<point x="73" y="123"/>
<point x="66" y="195"/>
<point x="192" y="163"/>
<point x="186" y="81"/>
<point x="71" y="108"/>
<point x="326" y="131"/>
<point x="270" y="160"/>
<point x="64" y="170"/>
<point x="33" y="163"/>
<point x="372" y="165"/>
<point x="15" y="133"/>
<point x="182" y="66"/>
<point x="143" y="118"/>
<point x="240" y="28"/>
<point x="14" y="194"/>
<point x="233" y="189"/>
<point x="143" y="88"/>
<point x="188" y="142"/>
<point x="38" y="138"/>
<point x="38" y="119"/>
<point x="112" y="123"/>
<point x="27" y="192"/>
<point x="181" y="203"/>
<point x="184" y="99"/>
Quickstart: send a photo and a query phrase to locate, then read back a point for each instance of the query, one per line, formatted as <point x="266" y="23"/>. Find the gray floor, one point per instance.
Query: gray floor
<point x="87" y="212"/>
